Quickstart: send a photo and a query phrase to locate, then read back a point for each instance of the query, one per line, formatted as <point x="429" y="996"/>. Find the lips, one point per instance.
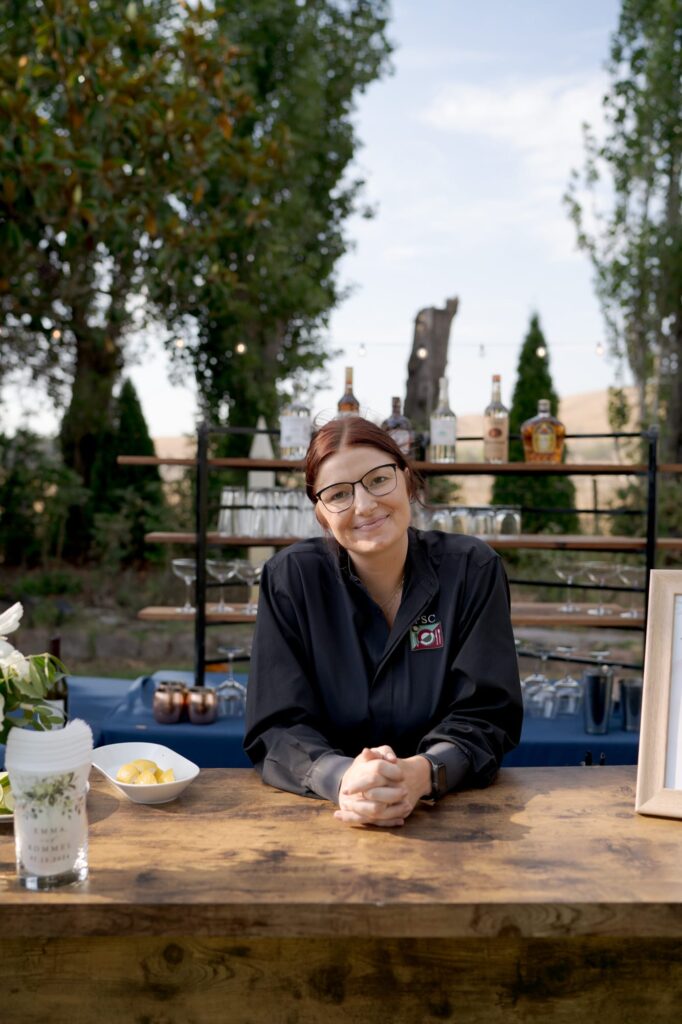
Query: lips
<point x="371" y="523"/>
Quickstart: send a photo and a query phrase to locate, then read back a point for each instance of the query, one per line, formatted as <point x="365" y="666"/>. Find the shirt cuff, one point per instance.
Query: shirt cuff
<point x="324" y="778"/>
<point x="455" y="760"/>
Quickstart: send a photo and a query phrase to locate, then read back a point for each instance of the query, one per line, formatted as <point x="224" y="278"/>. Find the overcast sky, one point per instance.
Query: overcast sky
<point x="467" y="151"/>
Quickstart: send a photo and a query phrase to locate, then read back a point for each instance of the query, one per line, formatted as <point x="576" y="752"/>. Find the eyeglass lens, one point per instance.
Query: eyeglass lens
<point x="378" y="481"/>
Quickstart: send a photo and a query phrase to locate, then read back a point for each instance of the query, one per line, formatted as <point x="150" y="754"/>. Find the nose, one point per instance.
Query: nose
<point x="364" y="501"/>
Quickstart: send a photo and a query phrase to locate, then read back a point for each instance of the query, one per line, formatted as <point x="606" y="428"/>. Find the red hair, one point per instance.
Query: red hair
<point x="345" y="432"/>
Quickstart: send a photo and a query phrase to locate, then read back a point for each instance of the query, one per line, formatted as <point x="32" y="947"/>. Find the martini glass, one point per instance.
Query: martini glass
<point x="599" y="573"/>
<point x="632" y="576"/>
<point x="567" y="574"/>
<point x="567" y="687"/>
<point x="222" y="571"/>
<point x="186" y="569"/>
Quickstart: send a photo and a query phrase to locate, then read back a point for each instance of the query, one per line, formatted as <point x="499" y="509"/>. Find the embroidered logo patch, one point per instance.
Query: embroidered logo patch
<point x="426" y="634"/>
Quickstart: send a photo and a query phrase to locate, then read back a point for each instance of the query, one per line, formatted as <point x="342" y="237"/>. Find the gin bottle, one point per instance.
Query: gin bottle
<point x="443" y="427"/>
<point x="496" y="426"/>
<point x="294" y="430"/>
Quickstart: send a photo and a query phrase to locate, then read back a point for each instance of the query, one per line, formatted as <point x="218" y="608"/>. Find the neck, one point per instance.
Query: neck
<point x="382" y="572"/>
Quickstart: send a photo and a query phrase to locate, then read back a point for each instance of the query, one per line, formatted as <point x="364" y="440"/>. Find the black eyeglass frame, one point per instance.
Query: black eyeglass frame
<point x="353" y="483"/>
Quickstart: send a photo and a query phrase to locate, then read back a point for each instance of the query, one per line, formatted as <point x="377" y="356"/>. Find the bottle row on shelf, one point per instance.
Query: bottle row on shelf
<point x="542" y="435"/>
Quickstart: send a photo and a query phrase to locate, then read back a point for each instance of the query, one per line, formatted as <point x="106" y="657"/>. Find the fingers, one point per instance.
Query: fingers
<point x="353" y="818"/>
<point x="385" y="752"/>
<point x="366" y="775"/>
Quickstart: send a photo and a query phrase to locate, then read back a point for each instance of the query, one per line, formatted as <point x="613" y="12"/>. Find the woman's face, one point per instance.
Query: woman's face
<point x="373" y="522"/>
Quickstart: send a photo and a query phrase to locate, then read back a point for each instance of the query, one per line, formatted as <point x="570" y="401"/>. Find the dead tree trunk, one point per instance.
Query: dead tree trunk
<point x="431" y="336"/>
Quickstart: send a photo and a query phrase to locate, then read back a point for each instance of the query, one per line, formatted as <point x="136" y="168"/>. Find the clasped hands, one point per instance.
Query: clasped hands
<point x="382" y="789"/>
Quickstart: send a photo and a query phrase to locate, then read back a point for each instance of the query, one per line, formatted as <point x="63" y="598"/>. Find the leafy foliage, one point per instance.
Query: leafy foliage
<point x="533" y="382"/>
<point x="634" y="238"/>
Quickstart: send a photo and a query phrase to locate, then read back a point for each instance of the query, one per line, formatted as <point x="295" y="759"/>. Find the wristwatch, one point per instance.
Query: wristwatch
<point x="439" y="778"/>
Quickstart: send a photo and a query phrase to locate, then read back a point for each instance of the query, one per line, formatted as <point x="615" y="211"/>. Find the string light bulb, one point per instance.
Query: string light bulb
<point x="179" y="343"/>
<point x="599" y="349"/>
<point x="362" y="349"/>
<point x="541" y="351"/>
<point x="240" y="348"/>
<point x="422" y="352"/>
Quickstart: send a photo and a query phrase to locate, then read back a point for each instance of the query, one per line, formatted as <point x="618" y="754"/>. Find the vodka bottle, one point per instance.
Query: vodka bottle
<point x="496" y="426"/>
<point x="294" y="430"/>
<point x="443" y="427"/>
<point x="400" y="428"/>
<point x="348" y="404"/>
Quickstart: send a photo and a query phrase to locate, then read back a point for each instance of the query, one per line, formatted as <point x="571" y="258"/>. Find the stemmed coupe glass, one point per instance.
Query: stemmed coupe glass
<point x="599" y="573"/>
<point x="567" y="573"/>
<point x="222" y="571"/>
<point x="186" y="569"/>
<point x="249" y="574"/>
<point x="632" y="576"/>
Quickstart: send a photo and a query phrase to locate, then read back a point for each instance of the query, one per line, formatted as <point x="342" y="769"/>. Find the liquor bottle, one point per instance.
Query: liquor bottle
<point x="348" y="404"/>
<point x="443" y="427"/>
<point x="543" y="436"/>
<point x="58" y="694"/>
<point x="294" y="430"/>
<point x="400" y="428"/>
<point x="496" y="426"/>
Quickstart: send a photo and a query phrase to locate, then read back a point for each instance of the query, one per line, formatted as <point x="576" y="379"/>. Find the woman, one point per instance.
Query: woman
<point x="384" y="668"/>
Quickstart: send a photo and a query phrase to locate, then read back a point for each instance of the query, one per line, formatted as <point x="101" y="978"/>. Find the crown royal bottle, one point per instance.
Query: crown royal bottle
<point x="543" y="436"/>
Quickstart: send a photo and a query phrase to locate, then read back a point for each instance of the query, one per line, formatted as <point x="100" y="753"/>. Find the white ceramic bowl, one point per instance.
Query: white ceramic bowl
<point x="110" y="758"/>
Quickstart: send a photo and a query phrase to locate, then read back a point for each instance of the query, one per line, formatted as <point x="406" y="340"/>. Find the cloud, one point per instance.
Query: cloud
<point x="538" y="120"/>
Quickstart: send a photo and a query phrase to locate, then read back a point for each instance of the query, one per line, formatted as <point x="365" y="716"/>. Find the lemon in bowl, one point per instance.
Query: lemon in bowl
<point x="146" y="773"/>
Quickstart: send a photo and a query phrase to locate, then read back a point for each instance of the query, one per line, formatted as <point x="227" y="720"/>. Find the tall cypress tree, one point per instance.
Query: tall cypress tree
<point x="533" y="382"/>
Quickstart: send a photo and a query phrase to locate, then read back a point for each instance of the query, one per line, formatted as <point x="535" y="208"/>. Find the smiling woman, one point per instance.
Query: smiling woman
<point x="383" y="664"/>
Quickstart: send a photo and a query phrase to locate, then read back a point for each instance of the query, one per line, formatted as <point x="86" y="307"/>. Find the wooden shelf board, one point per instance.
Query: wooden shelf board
<point x="221" y="539"/>
<point x="160" y="613"/>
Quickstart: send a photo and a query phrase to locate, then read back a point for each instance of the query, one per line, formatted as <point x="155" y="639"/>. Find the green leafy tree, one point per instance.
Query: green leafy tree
<point x="626" y="208"/>
<point x="303" y="66"/>
<point x="533" y="382"/>
<point x="113" y="115"/>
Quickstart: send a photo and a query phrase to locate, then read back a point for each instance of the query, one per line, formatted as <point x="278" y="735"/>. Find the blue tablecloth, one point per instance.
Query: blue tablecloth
<point x="119" y="710"/>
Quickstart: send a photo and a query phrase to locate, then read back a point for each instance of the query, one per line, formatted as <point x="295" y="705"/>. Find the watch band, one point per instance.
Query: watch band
<point x="439" y="778"/>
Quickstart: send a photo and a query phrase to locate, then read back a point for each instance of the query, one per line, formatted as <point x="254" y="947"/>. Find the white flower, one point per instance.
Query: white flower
<point x="5" y="649"/>
<point x="10" y="619"/>
<point x="15" y="665"/>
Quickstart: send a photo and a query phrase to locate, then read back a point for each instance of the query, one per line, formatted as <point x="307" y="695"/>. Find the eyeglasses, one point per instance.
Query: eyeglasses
<point x="378" y="481"/>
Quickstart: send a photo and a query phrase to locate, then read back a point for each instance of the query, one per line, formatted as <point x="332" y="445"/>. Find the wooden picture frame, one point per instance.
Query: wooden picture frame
<point x="659" y="772"/>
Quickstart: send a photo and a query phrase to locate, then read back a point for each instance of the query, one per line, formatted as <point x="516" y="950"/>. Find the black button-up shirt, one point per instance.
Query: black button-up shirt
<point x="328" y="677"/>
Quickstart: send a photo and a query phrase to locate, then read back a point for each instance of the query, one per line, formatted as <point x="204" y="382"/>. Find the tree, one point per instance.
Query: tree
<point x="635" y="240"/>
<point x="112" y="115"/>
<point x="533" y="382"/>
<point x="302" y="65"/>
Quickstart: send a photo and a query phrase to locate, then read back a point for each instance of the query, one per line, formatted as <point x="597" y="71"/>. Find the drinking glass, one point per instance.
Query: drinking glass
<point x="186" y="569"/>
<point x="232" y="499"/>
<point x="568" y="688"/>
<point x="600" y="573"/>
<point x="222" y="571"/>
<point x="232" y="651"/>
<point x="534" y="686"/>
<point x="632" y="576"/>
<point x="567" y="574"/>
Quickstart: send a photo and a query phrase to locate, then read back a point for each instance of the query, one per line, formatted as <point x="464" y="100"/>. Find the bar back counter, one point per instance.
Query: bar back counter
<point x="543" y="898"/>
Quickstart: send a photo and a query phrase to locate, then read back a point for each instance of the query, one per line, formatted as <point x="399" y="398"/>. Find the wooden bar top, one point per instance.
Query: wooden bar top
<point x="543" y="852"/>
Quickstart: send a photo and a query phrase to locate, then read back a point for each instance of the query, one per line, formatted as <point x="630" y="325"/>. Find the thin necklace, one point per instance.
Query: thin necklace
<point x="385" y="605"/>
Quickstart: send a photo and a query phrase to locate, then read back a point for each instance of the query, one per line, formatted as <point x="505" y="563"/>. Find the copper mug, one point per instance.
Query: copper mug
<point x="202" y="705"/>
<point x="169" y="703"/>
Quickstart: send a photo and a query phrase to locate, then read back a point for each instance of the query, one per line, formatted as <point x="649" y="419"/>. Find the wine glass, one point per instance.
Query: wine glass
<point x="231" y="693"/>
<point x="632" y="576"/>
<point x="222" y="571"/>
<point x="599" y="573"/>
<point x="533" y="684"/>
<point x="186" y="569"/>
<point x="567" y="574"/>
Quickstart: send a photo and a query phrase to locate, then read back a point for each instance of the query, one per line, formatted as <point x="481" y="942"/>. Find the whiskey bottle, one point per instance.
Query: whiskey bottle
<point x="294" y="430"/>
<point x="400" y="428"/>
<point x="443" y="427"/>
<point x="348" y="404"/>
<point x="543" y="436"/>
<point x="496" y="426"/>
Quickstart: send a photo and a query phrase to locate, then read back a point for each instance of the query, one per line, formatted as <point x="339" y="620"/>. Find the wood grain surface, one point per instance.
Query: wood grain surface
<point x="544" y="898"/>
